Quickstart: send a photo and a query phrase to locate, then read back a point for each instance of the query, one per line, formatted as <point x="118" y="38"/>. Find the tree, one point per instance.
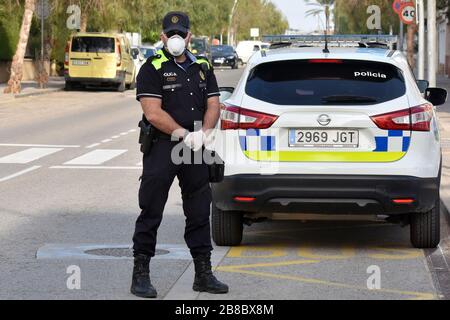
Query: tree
<point x="14" y="83"/>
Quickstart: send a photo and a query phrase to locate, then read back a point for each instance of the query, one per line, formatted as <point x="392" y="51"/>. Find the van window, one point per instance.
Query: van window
<point x="322" y="82"/>
<point x="93" y="44"/>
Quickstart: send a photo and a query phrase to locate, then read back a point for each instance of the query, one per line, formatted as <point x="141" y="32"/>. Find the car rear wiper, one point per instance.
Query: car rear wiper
<point x="348" y="98"/>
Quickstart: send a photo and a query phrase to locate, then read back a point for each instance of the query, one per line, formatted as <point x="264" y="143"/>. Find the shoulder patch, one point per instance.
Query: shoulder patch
<point x="158" y="59"/>
<point x="204" y="63"/>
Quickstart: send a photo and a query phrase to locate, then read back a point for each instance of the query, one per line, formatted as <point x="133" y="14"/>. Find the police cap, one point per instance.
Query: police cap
<point x="177" y="22"/>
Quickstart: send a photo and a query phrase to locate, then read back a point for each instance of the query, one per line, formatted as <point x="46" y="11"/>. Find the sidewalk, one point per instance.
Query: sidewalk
<point x="31" y="88"/>
<point x="444" y="121"/>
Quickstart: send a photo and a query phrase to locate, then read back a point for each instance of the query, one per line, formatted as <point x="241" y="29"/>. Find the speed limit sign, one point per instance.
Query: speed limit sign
<point x="408" y="14"/>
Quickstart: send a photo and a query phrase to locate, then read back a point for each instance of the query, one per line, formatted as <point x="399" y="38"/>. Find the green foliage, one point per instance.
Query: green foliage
<point x="10" y="24"/>
<point x="351" y="16"/>
<point x="208" y="18"/>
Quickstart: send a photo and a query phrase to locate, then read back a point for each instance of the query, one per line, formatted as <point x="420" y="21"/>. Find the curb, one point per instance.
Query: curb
<point x="38" y="93"/>
<point x="446" y="213"/>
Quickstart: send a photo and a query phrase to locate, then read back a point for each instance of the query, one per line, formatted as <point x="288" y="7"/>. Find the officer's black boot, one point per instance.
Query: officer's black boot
<point x="205" y="281"/>
<point x="141" y="285"/>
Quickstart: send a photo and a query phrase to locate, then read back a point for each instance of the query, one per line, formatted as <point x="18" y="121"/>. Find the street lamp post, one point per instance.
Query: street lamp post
<point x="230" y="21"/>
<point x="421" y="60"/>
<point x="432" y="43"/>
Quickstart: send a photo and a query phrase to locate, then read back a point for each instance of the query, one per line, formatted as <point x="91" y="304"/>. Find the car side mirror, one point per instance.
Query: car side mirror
<point x="225" y="93"/>
<point x="436" y="96"/>
<point x="423" y="85"/>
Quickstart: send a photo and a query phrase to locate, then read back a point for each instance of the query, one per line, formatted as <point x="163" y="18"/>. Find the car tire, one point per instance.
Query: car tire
<point x="132" y="85"/>
<point x="69" y="86"/>
<point x="227" y="227"/>
<point x="122" y="86"/>
<point x="425" y="228"/>
<point x="235" y="66"/>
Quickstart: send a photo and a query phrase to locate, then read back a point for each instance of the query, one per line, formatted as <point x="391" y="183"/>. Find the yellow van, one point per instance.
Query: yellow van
<point x="99" y="59"/>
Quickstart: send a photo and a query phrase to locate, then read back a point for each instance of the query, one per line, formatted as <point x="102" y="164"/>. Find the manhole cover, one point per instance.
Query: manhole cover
<point x="120" y="252"/>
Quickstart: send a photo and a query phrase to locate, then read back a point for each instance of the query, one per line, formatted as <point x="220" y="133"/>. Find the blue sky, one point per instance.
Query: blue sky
<point x="294" y="10"/>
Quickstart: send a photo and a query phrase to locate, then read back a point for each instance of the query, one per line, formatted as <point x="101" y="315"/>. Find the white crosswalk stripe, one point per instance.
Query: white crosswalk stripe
<point x="29" y="155"/>
<point x="96" y="157"/>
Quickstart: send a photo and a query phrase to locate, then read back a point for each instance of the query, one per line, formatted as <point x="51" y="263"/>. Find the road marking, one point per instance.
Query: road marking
<point x="93" y="146"/>
<point x="414" y="295"/>
<point x="94" y="168"/>
<point x="36" y="145"/>
<point x="182" y="289"/>
<point x="115" y="137"/>
<point x="96" y="157"/>
<point x="106" y="140"/>
<point x="20" y="173"/>
<point x="29" y="155"/>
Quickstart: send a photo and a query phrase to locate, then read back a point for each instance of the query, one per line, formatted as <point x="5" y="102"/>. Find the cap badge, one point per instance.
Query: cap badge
<point x="175" y="19"/>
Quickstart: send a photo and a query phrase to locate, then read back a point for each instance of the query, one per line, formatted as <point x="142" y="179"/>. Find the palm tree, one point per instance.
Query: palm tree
<point x="14" y="83"/>
<point x="320" y="7"/>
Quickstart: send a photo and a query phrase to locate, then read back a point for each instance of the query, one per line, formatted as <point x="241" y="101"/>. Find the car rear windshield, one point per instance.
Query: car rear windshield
<point x="93" y="44"/>
<point x="324" y="82"/>
<point x="222" y="49"/>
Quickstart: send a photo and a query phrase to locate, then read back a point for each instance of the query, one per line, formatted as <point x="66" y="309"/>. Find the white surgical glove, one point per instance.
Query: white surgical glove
<point x="195" y="140"/>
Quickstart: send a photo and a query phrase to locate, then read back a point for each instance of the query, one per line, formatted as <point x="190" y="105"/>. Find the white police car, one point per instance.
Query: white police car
<point x="344" y="133"/>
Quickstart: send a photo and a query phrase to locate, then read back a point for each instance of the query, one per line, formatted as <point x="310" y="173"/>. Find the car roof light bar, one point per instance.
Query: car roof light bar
<point x="350" y="40"/>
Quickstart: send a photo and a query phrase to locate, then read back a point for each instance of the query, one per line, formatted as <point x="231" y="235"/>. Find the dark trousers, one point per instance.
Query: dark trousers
<point x="158" y="175"/>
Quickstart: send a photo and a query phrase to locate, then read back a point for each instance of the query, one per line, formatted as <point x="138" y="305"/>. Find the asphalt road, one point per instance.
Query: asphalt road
<point x="69" y="170"/>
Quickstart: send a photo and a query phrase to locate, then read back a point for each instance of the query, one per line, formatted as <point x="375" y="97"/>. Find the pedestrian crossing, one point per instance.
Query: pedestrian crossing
<point x="28" y="159"/>
<point x="29" y="155"/>
<point x="96" y="157"/>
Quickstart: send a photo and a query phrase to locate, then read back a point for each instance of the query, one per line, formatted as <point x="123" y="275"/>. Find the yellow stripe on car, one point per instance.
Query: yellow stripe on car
<point x="293" y="156"/>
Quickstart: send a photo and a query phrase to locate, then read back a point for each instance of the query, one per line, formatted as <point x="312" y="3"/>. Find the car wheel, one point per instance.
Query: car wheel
<point x="425" y="228"/>
<point x="122" y="86"/>
<point x="132" y="85"/>
<point x="69" y="86"/>
<point x="227" y="227"/>
<point x="235" y="65"/>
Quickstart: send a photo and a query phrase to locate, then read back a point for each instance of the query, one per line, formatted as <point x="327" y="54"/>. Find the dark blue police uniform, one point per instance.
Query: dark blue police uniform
<point x="184" y="91"/>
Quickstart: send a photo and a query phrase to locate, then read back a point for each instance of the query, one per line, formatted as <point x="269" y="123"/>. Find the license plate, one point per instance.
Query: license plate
<point x="323" y="138"/>
<point x="80" y="62"/>
<point x="219" y="61"/>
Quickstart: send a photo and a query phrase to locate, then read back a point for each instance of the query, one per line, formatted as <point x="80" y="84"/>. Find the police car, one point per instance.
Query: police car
<point x="350" y="133"/>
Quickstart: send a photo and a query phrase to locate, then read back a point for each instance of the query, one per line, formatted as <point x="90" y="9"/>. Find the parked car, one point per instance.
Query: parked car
<point x="199" y="46"/>
<point x="147" y="51"/>
<point x="99" y="59"/>
<point x="341" y="133"/>
<point x="138" y="59"/>
<point x="246" y="49"/>
<point x="224" y="56"/>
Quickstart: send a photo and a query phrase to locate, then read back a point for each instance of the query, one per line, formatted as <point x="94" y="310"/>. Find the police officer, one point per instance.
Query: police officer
<point x="177" y="91"/>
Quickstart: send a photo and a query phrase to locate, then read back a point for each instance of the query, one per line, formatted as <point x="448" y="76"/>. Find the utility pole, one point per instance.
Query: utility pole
<point x="230" y="21"/>
<point x="401" y="38"/>
<point x="421" y="60"/>
<point x="42" y="3"/>
<point x="432" y="42"/>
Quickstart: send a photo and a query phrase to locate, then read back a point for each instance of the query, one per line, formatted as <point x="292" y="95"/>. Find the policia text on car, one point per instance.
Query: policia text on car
<point x="176" y="90"/>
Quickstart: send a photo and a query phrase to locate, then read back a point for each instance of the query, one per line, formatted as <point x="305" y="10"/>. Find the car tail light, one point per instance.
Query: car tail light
<point x="403" y="201"/>
<point x="414" y="119"/>
<point x="118" y="53"/>
<point x="234" y="118"/>
<point x="66" y="54"/>
<point x="244" y="199"/>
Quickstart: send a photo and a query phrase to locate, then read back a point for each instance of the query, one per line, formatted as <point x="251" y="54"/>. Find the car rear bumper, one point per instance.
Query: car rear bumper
<point x="226" y="63"/>
<point x="98" y="81"/>
<point x="326" y="194"/>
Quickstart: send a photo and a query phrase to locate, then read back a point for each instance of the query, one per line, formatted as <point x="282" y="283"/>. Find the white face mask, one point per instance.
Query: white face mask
<point x="176" y="45"/>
